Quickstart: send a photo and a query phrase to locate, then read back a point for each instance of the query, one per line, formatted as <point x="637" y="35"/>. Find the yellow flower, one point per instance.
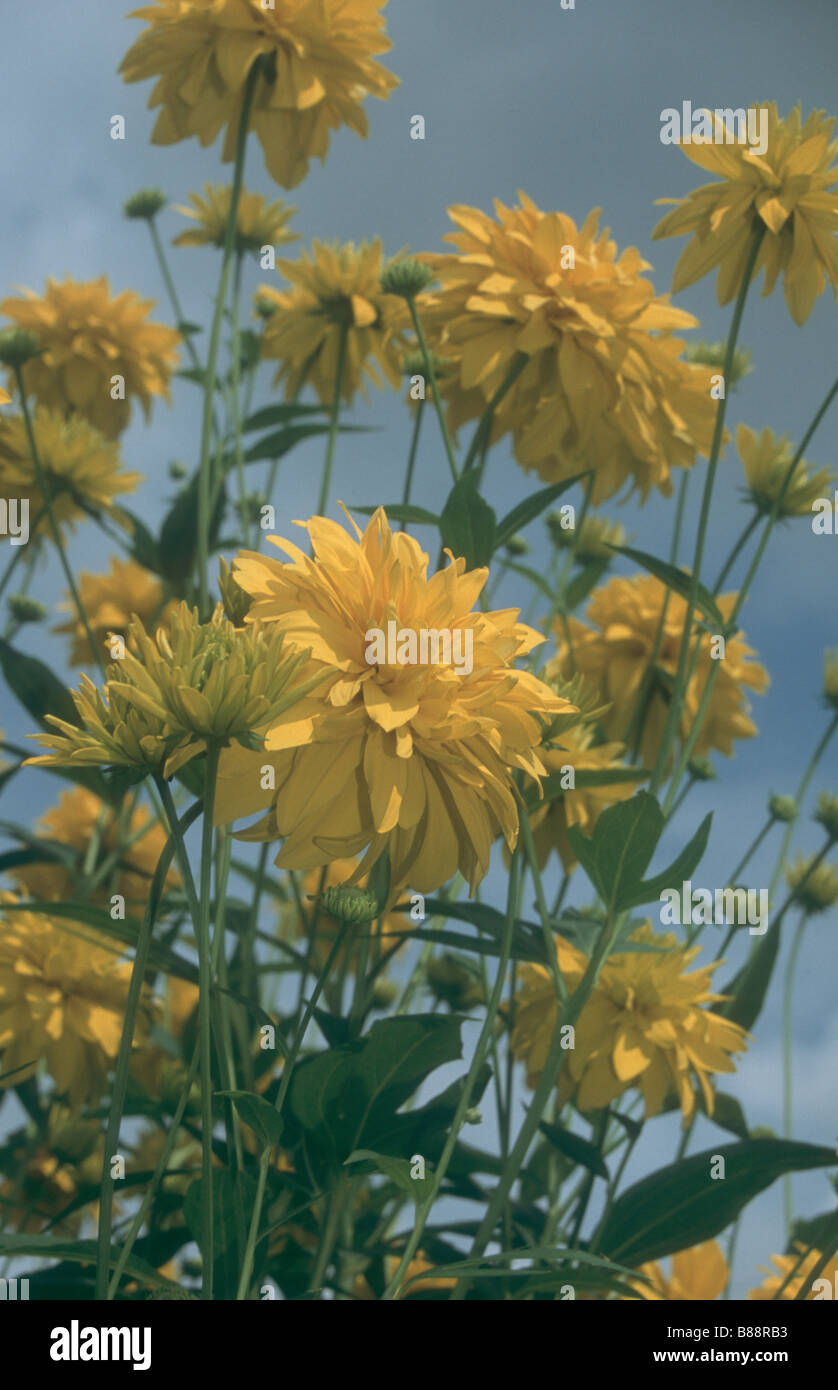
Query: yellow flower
<point x="4" y="397"/>
<point x="195" y="682"/>
<point x="334" y="291"/>
<point x="412" y="756"/>
<point x="790" y="191"/>
<point x="82" y="467"/>
<point x="766" y="462"/>
<point x="384" y="931"/>
<point x="644" y="1026"/>
<point x="110" y="601"/>
<point x="582" y="806"/>
<point x="605" y="386"/>
<point x="697" y="1275"/>
<point x="62" y="999"/>
<point x="317" y="66"/>
<point x="772" y="1283"/>
<point x="73" y="822"/>
<point x="819" y="892"/>
<point x="613" y="654"/>
<point x="258" y="222"/>
<point x="43" y="1184"/>
<point x="88" y="337"/>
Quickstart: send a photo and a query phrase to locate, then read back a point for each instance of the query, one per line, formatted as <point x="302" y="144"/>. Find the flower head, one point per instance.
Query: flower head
<point x="604" y="385"/>
<point x="789" y="191"/>
<point x="335" y="293"/>
<point x="356" y="906"/>
<point x="73" y="822"/>
<point x="614" y="649"/>
<point x="406" y="747"/>
<point x="62" y="999"/>
<point x="317" y="64"/>
<point x="582" y="806"/>
<point x="697" y="1275"/>
<point x="82" y="467"/>
<point x="69" y="1159"/>
<point x="827" y="814"/>
<point x="109" y="601"/>
<point x="89" y="337"/>
<point x="815" y="890"/>
<point x="766" y="462"/>
<point x="804" y="1265"/>
<point x="145" y="205"/>
<point x="644" y="1026"/>
<point x="258" y="222"/>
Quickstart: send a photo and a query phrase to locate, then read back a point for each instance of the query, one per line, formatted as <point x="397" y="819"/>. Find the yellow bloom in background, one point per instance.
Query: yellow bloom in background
<point x="415" y="758"/>
<point x="418" y="1265"/>
<point x="334" y="291"/>
<point x="82" y="467"/>
<point x="697" y="1275"/>
<point x="790" y="191"/>
<point x="43" y="1184"/>
<point x="4" y="397"/>
<point x="644" y="1026"/>
<point x="195" y="682"/>
<point x="78" y="815"/>
<point x="766" y="462"/>
<point x="384" y="931"/>
<point x="62" y="1000"/>
<point x="258" y="222"/>
<point x="613" y="649"/>
<point x="605" y="386"/>
<point x="772" y="1283"/>
<point x="88" y="337"/>
<point x="816" y="891"/>
<point x="110" y="601"/>
<point x="581" y="806"/>
<point x="317" y="67"/>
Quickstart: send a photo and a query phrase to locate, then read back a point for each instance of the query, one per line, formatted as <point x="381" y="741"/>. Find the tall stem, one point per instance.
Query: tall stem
<point x="202" y="929"/>
<point x="431" y="375"/>
<point x="333" y="424"/>
<point x="788" y="1013"/>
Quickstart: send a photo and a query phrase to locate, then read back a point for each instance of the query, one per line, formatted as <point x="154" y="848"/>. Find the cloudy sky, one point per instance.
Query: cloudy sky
<point x="565" y="105"/>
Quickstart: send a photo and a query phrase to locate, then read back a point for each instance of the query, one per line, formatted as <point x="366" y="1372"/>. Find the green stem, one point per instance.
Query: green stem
<point x="483" y="432"/>
<point x="333" y="424"/>
<point x="788" y="1013"/>
<point x="202" y="930"/>
<point x="431" y="375"/>
<point x="204" y="479"/>
<point x="171" y="291"/>
<point x="738" y="546"/>
<point x="244" y="520"/>
<point x="546" y="925"/>
<point x="411" y="461"/>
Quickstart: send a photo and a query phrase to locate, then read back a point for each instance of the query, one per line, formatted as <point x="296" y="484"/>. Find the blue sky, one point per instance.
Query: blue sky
<point x="566" y="106"/>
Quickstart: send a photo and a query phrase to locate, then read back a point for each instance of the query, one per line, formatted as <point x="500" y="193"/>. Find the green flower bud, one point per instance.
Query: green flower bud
<point x="473" y="1116"/>
<point x="17" y="346"/>
<point x="406" y="278"/>
<point x="384" y="992"/>
<point x="453" y="982"/>
<point x="713" y="355"/>
<point x="827" y="814"/>
<point x="145" y="205"/>
<point x="24" y="609"/>
<point x="701" y="769"/>
<point x="236" y="601"/>
<point x="414" y="365"/>
<point x="516" y="545"/>
<point x="265" y="307"/>
<point x="350" y="905"/>
<point x="782" y="808"/>
<point x="177" y="471"/>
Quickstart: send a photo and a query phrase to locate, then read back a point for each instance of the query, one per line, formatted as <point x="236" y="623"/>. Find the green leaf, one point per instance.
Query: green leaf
<point x="34" y="685"/>
<point x="749" y="987"/>
<point x="468" y="523"/>
<point x="280" y="442"/>
<point x="814" y="1231"/>
<point x="179" y="533"/>
<point x="582" y="583"/>
<point x="575" y="1147"/>
<point x="727" y="1112"/>
<point x="477" y="945"/>
<point x="533" y="576"/>
<point x="144" y="546"/>
<point x="279" y="415"/>
<point x="679" y="581"/>
<point x="400" y="511"/>
<point x="531" y="507"/>
<point x="398" y="1170"/>
<point x="682" y="1205"/>
<point x="259" y="1115"/>
<point x="617" y="855"/>
<point x="224" y="1197"/>
<point x="551" y="785"/>
<point x="83" y="1252"/>
<point x="677" y="873"/>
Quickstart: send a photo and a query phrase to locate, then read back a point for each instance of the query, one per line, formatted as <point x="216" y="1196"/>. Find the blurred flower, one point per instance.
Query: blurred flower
<point x="23" y="609"/>
<point x="317" y="66"/>
<point x="194" y="682"/>
<point x="88" y="337"/>
<point x="782" y="808"/>
<point x="405" y="277"/>
<point x="604" y="387"/>
<point x="643" y="1027"/>
<point x="43" y="1184"/>
<point x="410" y="756"/>
<point x="614" y="653"/>
<point x="582" y="806"/>
<point x="334" y="291"/>
<point x="827" y="814"/>
<point x="789" y="191"/>
<point x="454" y="980"/>
<point x="384" y="930"/>
<point x="110" y="601"/>
<point x="73" y="822"/>
<point x="830" y="678"/>
<point x="766" y="462"/>
<point x="258" y="222"/>
<point x="62" y="1000"/>
<point x="145" y="205"/>
<point x="418" y="1265"/>
<point x="697" y="1275"/>
<point x="772" y="1283"/>
<point x="82" y="467"/>
<point x="596" y="535"/>
<point x="816" y="891"/>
